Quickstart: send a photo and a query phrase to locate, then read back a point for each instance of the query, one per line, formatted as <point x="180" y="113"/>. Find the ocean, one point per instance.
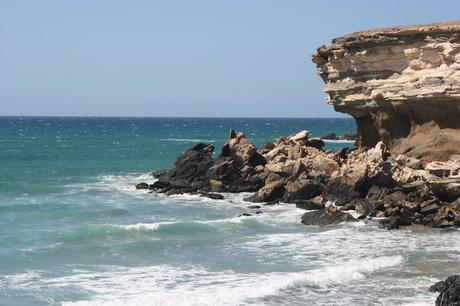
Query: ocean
<point x="75" y="231"/>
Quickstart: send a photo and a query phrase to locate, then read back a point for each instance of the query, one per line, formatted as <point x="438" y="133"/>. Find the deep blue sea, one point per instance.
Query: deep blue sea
<point x="75" y="231"/>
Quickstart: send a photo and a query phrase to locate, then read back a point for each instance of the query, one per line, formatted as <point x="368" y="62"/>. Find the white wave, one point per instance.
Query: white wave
<point x="195" y="285"/>
<point x="338" y="141"/>
<point x="188" y="140"/>
<point x="116" y="183"/>
<point x="155" y="226"/>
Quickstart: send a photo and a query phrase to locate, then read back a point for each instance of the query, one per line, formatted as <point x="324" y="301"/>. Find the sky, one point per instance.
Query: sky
<point x="233" y="58"/>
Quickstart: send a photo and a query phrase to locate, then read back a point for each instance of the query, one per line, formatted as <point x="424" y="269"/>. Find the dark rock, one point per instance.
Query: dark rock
<point x="308" y="205"/>
<point x="449" y="291"/>
<point x="142" y="186"/>
<point x="329" y="136"/>
<point x="349" y="136"/>
<point x="316" y="143"/>
<point x="158" y="173"/>
<point x="214" y="196"/>
<point x="447" y="215"/>
<point x="362" y="217"/>
<point x="254" y="206"/>
<point x="342" y="153"/>
<point x="326" y="216"/>
<point x="245" y="215"/>
<point x="395" y="222"/>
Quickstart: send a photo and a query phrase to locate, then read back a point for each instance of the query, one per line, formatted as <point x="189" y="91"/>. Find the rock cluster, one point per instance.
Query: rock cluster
<point x="401" y="84"/>
<point x="295" y="169"/>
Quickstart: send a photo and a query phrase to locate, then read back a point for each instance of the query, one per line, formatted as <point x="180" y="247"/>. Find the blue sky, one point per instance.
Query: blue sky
<point x="180" y="58"/>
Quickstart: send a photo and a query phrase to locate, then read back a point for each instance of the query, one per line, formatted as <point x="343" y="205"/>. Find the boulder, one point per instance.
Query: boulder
<point x="326" y="216"/>
<point x="270" y="192"/>
<point x="302" y="189"/>
<point x="449" y="291"/>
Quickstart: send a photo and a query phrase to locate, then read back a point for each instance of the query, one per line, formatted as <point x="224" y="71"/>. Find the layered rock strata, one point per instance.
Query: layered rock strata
<point x="401" y="84"/>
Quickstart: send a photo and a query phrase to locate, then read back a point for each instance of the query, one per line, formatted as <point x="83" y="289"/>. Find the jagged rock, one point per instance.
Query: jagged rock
<point x="190" y="171"/>
<point x="326" y="216"/>
<point x="401" y="84"/>
<point x="449" y="291"/>
<point x="349" y="136"/>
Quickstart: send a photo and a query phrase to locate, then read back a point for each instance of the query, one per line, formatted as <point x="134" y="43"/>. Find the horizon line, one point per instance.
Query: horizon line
<point x="168" y="117"/>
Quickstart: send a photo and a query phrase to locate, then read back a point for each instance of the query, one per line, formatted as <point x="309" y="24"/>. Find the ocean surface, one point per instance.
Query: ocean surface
<point x="75" y="231"/>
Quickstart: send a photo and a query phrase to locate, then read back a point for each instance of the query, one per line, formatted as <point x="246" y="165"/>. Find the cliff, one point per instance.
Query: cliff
<point x="401" y="84"/>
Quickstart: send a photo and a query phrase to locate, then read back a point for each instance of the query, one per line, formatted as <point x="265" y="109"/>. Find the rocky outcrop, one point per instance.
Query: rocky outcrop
<point x="449" y="291"/>
<point x="295" y="169"/>
<point x="401" y="84"/>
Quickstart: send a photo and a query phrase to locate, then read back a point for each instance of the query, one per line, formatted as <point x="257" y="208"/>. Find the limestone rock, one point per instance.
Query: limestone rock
<point x="401" y="84"/>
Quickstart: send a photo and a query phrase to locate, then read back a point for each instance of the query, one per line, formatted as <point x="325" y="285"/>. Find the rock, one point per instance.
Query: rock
<point x="270" y="192"/>
<point x="349" y="136"/>
<point x="158" y="173"/>
<point x="449" y="291"/>
<point x="142" y="186"/>
<point x="395" y="222"/>
<point x="447" y="189"/>
<point x="401" y="84"/>
<point x="308" y="205"/>
<point x="302" y="190"/>
<point x="254" y="206"/>
<point x="214" y="196"/>
<point x="447" y="215"/>
<point x="300" y="137"/>
<point x="241" y="150"/>
<point x="326" y="216"/>
<point x="296" y="152"/>
<point x="329" y="136"/>
<point x="316" y="143"/>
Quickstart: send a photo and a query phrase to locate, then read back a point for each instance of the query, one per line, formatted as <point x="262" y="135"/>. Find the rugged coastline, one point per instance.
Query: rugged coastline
<point x="401" y="85"/>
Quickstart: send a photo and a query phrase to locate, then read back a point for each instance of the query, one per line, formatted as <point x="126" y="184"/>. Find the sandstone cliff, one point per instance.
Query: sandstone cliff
<point x="401" y="84"/>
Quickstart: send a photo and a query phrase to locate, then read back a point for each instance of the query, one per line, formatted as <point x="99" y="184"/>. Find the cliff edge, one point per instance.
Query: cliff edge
<point x="401" y="84"/>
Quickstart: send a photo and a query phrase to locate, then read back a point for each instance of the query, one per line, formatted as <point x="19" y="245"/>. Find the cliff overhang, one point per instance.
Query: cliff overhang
<point x="401" y="84"/>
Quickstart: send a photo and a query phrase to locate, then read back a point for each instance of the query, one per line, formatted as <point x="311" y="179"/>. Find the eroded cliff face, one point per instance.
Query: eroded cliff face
<point x="402" y="85"/>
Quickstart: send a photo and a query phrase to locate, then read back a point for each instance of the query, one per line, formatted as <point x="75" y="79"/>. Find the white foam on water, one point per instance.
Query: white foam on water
<point x="155" y="226"/>
<point x="195" y="285"/>
<point x="188" y="140"/>
<point x="116" y="183"/>
<point x="338" y="141"/>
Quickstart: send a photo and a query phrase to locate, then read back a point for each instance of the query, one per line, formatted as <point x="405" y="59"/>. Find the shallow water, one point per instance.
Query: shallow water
<point x="75" y="231"/>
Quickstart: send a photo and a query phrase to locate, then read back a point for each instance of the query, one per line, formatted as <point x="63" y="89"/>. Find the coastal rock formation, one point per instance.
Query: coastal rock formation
<point x="401" y="84"/>
<point x="295" y="169"/>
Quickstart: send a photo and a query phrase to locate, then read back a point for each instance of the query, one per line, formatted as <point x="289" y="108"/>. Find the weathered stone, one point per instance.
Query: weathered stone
<point x="401" y="84"/>
<point x="326" y="216"/>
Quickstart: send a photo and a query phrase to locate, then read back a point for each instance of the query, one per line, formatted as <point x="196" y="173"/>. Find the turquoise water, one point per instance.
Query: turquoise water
<point x="74" y="230"/>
